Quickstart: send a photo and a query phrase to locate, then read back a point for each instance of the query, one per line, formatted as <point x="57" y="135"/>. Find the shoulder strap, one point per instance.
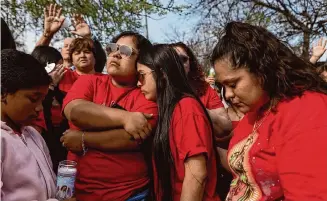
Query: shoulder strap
<point x="118" y="99"/>
<point x="122" y="96"/>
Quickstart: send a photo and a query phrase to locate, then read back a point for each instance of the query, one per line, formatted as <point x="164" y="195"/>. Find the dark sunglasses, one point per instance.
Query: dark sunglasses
<point x="124" y="50"/>
<point x="183" y="58"/>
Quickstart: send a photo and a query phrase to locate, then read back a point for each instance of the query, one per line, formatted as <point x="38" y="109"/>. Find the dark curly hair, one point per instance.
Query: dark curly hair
<point x="196" y="76"/>
<point x="322" y="68"/>
<point x="283" y="74"/>
<point x="21" y="71"/>
<point x="140" y="41"/>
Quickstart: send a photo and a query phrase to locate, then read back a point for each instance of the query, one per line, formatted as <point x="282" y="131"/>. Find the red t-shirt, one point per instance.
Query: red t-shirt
<point x="110" y="175"/>
<point x="190" y="135"/>
<point x="68" y="80"/>
<point x="210" y="99"/>
<point x="286" y="157"/>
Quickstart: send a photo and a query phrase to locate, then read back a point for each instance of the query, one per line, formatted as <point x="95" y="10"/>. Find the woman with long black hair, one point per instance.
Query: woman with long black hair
<point x="183" y="151"/>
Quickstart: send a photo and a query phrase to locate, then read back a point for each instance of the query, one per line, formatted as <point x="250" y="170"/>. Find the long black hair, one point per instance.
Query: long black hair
<point x="283" y="74"/>
<point x="46" y="54"/>
<point x="196" y="76"/>
<point x="172" y="85"/>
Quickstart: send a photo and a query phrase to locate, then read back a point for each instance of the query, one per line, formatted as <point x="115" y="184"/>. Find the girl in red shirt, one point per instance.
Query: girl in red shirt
<point x="183" y="153"/>
<point x="208" y="96"/>
<point x="278" y="151"/>
<point x="210" y="99"/>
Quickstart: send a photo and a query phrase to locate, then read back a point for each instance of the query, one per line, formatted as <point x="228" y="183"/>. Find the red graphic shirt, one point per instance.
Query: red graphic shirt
<point x="285" y="157"/>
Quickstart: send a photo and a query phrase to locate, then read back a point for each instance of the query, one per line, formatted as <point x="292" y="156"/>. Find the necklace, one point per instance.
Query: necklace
<point x="240" y="117"/>
<point x="257" y="124"/>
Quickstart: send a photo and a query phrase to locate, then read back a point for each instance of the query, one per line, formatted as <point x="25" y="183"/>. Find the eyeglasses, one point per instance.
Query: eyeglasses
<point x="124" y="50"/>
<point x="141" y="76"/>
<point x="183" y="58"/>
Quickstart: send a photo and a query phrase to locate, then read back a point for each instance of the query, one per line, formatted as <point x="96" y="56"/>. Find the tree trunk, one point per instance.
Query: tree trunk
<point x="306" y="45"/>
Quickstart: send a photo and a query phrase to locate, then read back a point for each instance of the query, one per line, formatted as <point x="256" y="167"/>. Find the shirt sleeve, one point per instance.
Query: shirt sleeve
<point x="193" y="136"/>
<point x="214" y="101"/>
<point x="301" y="153"/>
<point x="149" y="108"/>
<point x="83" y="88"/>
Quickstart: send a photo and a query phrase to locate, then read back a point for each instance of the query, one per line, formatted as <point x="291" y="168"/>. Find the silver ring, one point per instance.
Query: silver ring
<point x="63" y="144"/>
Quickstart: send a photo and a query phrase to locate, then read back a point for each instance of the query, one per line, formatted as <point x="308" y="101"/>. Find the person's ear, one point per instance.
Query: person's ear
<point x="4" y="98"/>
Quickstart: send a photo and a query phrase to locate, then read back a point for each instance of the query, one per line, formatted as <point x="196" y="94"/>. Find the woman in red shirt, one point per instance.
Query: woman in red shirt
<point x="183" y="152"/>
<point x="278" y="151"/>
<point x="208" y="96"/>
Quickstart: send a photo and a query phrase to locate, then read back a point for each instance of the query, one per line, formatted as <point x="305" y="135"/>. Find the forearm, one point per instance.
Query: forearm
<point x="314" y="59"/>
<point x="192" y="190"/>
<point x="195" y="179"/>
<point x="221" y="123"/>
<point x="44" y="41"/>
<point x="112" y="140"/>
<point x="87" y="115"/>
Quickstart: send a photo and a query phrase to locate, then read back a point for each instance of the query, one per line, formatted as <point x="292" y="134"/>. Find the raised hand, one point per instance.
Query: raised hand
<point x="81" y="27"/>
<point x="53" y="19"/>
<point x="57" y="74"/>
<point x="319" y="49"/>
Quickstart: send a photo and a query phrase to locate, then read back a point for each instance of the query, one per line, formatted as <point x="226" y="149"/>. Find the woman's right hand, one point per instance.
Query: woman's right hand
<point x="53" y="19"/>
<point x="136" y="124"/>
<point x="319" y="49"/>
<point x="57" y="74"/>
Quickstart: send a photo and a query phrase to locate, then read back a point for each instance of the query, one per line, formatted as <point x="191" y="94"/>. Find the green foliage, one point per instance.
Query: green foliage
<point x="106" y="17"/>
<point x="296" y="22"/>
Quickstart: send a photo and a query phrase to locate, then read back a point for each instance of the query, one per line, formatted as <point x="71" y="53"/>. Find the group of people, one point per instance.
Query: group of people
<point x="153" y="128"/>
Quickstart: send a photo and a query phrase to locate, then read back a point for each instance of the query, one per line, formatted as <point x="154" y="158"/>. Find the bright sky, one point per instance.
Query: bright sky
<point x="160" y="28"/>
